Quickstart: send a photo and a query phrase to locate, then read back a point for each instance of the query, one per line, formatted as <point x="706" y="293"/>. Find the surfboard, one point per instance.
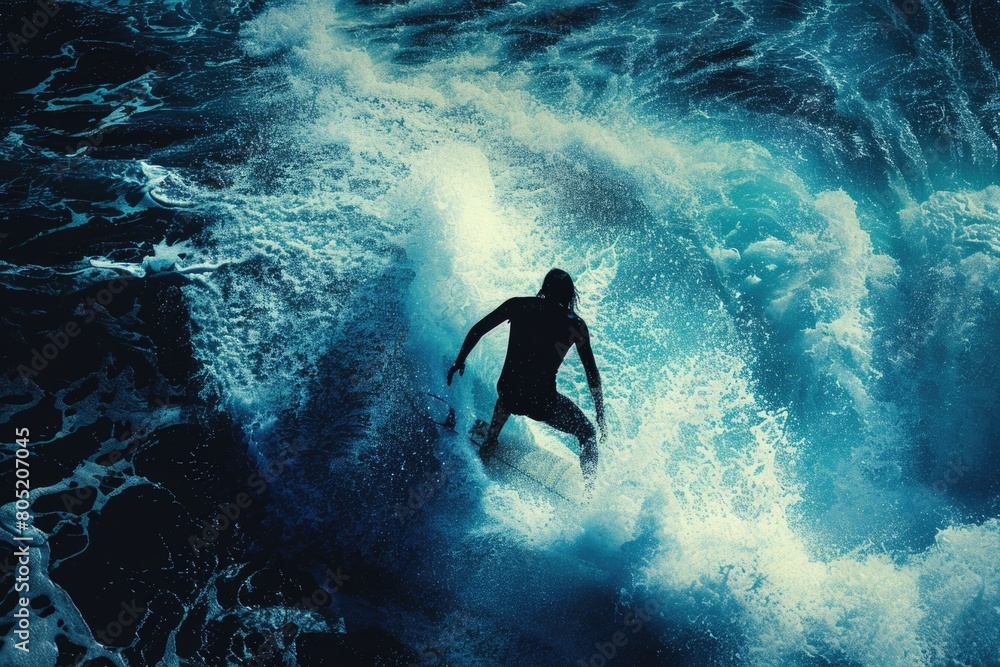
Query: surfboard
<point x="516" y="463"/>
<point x="524" y="465"/>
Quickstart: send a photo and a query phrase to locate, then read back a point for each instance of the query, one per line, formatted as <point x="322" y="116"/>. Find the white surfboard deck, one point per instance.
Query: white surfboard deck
<point x="532" y="465"/>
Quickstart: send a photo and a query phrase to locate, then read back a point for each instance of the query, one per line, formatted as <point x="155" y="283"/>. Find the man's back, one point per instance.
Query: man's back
<point x="541" y="333"/>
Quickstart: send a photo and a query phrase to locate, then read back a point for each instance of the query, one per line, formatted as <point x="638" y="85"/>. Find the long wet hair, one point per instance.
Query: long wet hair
<point x="558" y="286"/>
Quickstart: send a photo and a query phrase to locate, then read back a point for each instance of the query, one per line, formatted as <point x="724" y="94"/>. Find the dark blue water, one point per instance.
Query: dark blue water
<point x="784" y="222"/>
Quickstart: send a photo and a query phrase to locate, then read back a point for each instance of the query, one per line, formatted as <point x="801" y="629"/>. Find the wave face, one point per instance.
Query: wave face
<point x="784" y="222"/>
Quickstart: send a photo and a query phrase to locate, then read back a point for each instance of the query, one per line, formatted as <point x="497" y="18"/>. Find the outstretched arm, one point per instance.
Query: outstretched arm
<point x="480" y="329"/>
<point x="593" y="377"/>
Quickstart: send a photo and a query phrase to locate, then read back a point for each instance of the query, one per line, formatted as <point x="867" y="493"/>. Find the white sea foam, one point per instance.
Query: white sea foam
<point x="466" y="188"/>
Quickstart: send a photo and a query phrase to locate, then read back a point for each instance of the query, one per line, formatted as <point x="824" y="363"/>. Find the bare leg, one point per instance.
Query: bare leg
<point x="489" y="445"/>
<point x="568" y="418"/>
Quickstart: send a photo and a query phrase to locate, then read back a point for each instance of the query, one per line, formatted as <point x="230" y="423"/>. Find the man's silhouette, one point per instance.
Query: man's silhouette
<point x="542" y="330"/>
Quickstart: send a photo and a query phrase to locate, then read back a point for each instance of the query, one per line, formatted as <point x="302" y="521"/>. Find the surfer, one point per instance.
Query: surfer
<point x="542" y="330"/>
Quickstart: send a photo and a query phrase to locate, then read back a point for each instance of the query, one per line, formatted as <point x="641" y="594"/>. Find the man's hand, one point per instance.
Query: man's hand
<point x="457" y="366"/>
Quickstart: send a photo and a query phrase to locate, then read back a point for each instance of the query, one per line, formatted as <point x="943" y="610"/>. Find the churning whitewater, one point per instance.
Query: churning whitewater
<point x="783" y="220"/>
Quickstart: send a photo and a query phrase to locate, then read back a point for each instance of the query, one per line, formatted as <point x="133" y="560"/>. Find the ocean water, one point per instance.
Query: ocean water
<point x="784" y="223"/>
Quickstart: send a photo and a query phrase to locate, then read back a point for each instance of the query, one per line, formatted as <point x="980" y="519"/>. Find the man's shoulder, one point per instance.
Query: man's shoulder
<point x="521" y="302"/>
<point x="516" y="306"/>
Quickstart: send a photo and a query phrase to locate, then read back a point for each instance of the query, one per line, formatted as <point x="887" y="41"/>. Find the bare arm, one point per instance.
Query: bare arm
<point x="593" y="376"/>
<point x="478" y="330"/>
